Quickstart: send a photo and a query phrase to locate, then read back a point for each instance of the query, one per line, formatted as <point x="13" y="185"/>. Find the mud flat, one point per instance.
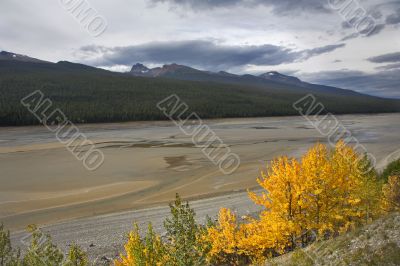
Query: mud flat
<point x="146" y="163"/>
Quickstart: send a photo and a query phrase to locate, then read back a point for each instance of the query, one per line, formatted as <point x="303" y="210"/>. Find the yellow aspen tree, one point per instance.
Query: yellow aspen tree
<point x="283" y="196"/>
<point x="320" y="192"/>
<point x="360" y="189"/>
<point x="391" y="194"/>
<point x="370" y="191"/>
<point x="270" y="234"/>
<point x="224" y="238"/>
<point x="324" y="193"/>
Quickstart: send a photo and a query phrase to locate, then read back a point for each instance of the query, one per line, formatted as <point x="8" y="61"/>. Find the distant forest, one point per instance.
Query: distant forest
<point x="89" y="95"/>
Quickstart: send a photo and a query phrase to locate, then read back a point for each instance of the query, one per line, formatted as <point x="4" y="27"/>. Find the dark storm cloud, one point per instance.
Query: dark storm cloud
<point x="203" y="54"/>
<point x="385" y="58"/>
<point x="278" y="6"/>
<point x="383" y="83"/>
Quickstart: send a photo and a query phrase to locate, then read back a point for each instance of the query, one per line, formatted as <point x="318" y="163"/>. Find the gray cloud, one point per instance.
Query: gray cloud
<point x="389" y="67"/>
<point x="377" y="29"/>
<point x="381" y="20"/>
<point x="322" y="50"/>
<point x="346" y="25"/>
<point x="349" y="37"/>
<point x="383" y="83"/>
<point x="393" y="18"/>
<point x="278" y="6"/>
<point x="202" y="54"/>
<point x="386" y="58"/>
<point x="376" y="14"/>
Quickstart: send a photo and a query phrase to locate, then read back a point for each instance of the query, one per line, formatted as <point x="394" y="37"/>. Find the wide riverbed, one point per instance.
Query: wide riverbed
<point x="146" y="163"/>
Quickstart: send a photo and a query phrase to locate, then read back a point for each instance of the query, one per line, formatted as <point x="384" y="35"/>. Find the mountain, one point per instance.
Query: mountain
<point x="139" y="70"/>
<point x="276" y="76"/>
<point x="172" y="70"/>
<point x="269" y="79"/>
<point x="87" y="94"/>
<point x="8" y="56"/>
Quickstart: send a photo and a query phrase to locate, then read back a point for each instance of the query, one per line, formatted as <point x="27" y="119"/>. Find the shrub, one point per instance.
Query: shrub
<point x="8" y="256"/>
<point x="42" y="251"/>
<point x="392" y="168"/>
<point x="76" y="256"/>
<point x="182" y="234"/>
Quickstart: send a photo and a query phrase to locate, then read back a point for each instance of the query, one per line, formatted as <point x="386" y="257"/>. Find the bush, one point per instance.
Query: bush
<point x="182" y="234"/>
<point x="41" y="251"/>
<point x="76" y="256"/>
<point x="8" y="256"/>
<point x="391" y="169"/>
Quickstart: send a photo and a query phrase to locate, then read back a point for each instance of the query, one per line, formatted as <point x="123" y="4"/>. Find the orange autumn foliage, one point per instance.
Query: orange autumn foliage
<point x="322" y="194"/>
<point x="225" y="235"/>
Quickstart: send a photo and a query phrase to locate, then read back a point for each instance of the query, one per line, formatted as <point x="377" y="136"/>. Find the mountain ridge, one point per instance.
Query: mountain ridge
<point x="183" y="72"/>
<point x="271" y="78"/>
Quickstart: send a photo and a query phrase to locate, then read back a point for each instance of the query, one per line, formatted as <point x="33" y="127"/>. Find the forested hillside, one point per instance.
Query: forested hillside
<point x="87" y="95"/>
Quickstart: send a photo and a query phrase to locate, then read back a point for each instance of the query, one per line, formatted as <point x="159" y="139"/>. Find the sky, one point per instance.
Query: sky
<point x="345" y="43"/>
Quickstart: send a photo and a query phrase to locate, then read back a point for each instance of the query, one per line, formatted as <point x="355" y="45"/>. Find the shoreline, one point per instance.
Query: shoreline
<point x="168" y="121"/>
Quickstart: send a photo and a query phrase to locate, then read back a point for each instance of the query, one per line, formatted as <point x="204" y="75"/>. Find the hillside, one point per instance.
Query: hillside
<point x="87" y="95"/>
<point x="374" y="244"/>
